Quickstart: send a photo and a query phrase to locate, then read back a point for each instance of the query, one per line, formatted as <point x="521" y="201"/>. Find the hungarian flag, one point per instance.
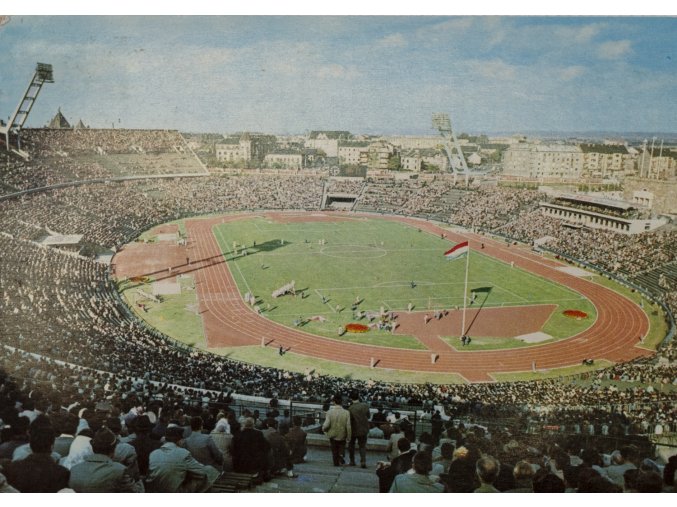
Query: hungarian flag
<point x="458" y="251"/>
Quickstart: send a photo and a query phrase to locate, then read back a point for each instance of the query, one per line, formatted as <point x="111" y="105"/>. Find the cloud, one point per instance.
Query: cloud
<point x="614" y="49"/>
<point x="337" y="71"/>
<point x="395" y="40"/>
<point x="572" y="72"/>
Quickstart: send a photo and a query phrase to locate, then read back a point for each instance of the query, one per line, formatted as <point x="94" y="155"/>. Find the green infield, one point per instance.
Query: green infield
<point x="374" y="266"/>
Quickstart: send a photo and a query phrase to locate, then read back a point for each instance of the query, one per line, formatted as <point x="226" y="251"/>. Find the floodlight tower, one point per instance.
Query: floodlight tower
<point x="457" y="163"/>
<point x="43" y="74"/>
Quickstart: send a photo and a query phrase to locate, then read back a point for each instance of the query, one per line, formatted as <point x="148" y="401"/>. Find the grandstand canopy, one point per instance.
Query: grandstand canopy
<point x="598" y="201"/>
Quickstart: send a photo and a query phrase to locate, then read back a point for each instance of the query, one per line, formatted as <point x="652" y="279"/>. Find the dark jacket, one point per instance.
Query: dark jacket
<point x="401" y="464"/>
<point x="296" y="438"/>
<point x="38" y="473"/>
<point x="359" y="419"/>
<point x="144" y="445"/>
<point x="250" y="451"/>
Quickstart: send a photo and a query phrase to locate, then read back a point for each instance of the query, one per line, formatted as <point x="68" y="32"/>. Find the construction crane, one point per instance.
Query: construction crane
<point x="43" y="74"/>
<point x="457" y="164"/>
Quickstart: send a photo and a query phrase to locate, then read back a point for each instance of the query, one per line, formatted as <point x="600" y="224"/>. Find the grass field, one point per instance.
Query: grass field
<point x="377" y="262"/>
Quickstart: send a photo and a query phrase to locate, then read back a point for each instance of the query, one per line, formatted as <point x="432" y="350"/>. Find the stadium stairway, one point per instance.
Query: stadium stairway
<point x="319" y="475"/>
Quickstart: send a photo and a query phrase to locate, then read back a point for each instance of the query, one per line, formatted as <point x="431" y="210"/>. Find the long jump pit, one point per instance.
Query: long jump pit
<point x="229" y="321"/>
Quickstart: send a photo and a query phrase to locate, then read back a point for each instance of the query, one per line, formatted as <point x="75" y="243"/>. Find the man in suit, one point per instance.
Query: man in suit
<point x="280" y="453"/>
<point x="172" y="469"/>
<point x="98" y="473"/>
<point x="337" y="427"/>
<point x="419" y="481"/>
<point x="296" y="438"/>
<point x="143" y="443"/>
<point x="38" y="473"/>
<point x="66" y="424"/>
<point x="250" y="450"/>
<point x="359" y="424"/>
<point x="401" y="464"/>
<point x="202" y="446"/>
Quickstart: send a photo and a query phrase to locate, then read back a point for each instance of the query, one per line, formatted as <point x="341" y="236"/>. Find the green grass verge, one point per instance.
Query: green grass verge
<point x="175" y="316"/>
<point x="270" y="357"/>
<point x="554" y="372"/>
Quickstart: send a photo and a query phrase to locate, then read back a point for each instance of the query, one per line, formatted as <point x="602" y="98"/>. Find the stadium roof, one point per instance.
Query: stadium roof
<point x="597" y="201"/>
<point x="59" y="121"/>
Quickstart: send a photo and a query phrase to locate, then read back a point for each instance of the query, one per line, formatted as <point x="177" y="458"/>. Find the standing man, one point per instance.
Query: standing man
<point x="359" y="423"/>
<point x="337" y="427"/>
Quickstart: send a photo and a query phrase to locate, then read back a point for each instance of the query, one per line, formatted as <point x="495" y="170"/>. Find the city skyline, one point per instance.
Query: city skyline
<point x="383" y="75"/>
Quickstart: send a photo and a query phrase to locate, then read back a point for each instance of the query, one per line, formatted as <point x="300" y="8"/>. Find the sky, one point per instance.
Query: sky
<point x="365" y="74"/>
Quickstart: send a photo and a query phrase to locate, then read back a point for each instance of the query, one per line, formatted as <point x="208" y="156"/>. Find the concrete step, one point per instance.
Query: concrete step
<point x="318" y="475"/>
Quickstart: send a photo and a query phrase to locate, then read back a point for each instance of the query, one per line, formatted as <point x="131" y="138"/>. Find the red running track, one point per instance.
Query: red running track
<point x="228" y="321"/>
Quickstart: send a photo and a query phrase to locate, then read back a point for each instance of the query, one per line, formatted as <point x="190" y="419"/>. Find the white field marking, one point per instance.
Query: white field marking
<point x="509" y="292"/>
<point x="234" y="261"/>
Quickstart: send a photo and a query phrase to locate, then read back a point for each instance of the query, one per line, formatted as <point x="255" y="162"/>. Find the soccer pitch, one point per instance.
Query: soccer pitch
<point x="385" y="265"/>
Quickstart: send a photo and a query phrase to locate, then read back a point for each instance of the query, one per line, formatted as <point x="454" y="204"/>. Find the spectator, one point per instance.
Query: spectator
<point x="296" y="438"/>
<point x="419" y="481"/>
<point x="359" y="424"/>
<point x="387" y="472"/>
<point x="98" y="473"/>
<point x="202" y="446"/>
<point x="38" y="473"/>
<point x="487" y="471"/>
<point x="337" y="427"/>
<point x="172" y="469"/>
<point x="250" y="450"/>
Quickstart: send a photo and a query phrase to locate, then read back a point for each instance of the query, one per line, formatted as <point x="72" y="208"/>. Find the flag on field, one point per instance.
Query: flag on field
<point x="457" y="251"/>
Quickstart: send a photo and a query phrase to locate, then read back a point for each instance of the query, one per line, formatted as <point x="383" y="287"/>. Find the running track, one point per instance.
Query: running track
<point x="228" y="321"/>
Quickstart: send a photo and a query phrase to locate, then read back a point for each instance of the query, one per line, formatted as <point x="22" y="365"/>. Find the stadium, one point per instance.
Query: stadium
<point x="143" y="284"/>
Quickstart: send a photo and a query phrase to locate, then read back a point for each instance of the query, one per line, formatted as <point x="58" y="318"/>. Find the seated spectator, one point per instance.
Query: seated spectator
<point x="296" y="438"/>
<point x="38" y="473"/>
<point x="80" y="448"/>
<point x="419" y="481"/>
<point x="441" y="464"/>
<point x="250" y="450"/>
<point x="401" y="464"/>
<point x="280" y="453"/>
<point x="461" y="476"/>
<point x="66" y="425"/>
<point x="202" y="446"/>
<point x="142" y="443"/>
<point x="487" y="469"/>
<point x="23" y="451"/>
<point x="223" y="441"/>
<point x="172" y="469"/>
<point x="524" y="474"/>
<point x="19" y="437"/>
<point x="98" y="473"/>
<point x="622" y="461"/>
<point x="547" y="482"/>
<point x="124" y="453"/>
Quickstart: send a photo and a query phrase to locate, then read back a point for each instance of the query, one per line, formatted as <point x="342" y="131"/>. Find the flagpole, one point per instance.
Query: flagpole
<point x="465" y="290"/>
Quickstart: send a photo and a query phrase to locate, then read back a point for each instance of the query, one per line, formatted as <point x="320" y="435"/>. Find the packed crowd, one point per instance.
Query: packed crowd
<point x="492" y="208"/>
<point x="344" y="186"/>
<point x="108" y="214"/>
<point x="69" y="142"/>
<point x="60" y="156"/>
<point x="63" y="308"/>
